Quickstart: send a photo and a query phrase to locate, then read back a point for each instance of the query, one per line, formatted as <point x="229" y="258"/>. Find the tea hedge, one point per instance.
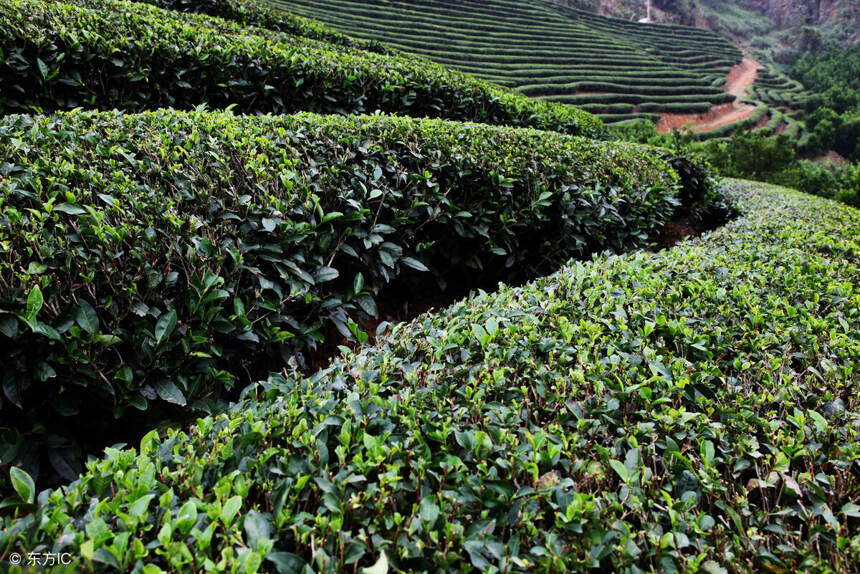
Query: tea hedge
<point x="693" y="410"/>
<point x="676" y="108"/>
<point x="167" y="256"/>
<point x="618" y="88"/>
<point x="713" y="99"/>
<point x="614" y="118"/>
<point x="107" y="53"/>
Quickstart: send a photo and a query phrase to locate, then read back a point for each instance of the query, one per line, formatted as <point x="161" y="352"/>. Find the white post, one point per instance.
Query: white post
<point x="648" y="3"/>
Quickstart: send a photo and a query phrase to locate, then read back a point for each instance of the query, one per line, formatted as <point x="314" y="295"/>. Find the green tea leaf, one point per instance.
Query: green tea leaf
<point x="230" y="509"/>
<point x="169" y="392"/>
<point x="428" y="511"/>
<point x="326" y="274"/>
<point x="34" y="303"/>
<point x="414" y="264"/>
<point x="87" y="318"/>
<point x="186" y="518"/>
<point x="380" y="567"/>
<point x="258" y="528"/>
<point x="139" y="506"/>
<point x="165" y="326"/>
<point x="70" y="208"/>
<point x="9" y="326"/>
<point x="287" y="562"/>
<point x="849" y="509"/>
<point x="23" y="484"/>
<point x="620" y="469"/>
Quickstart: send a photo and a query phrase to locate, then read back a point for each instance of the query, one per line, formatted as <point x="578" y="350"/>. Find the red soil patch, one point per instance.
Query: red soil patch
<point x="738" y="80"/>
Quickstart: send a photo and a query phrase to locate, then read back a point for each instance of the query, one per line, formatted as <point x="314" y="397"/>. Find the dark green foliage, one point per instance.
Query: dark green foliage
<point x="106" y="53"/>
<point x="839" y="182"/>
<point x="834" y="112"/>
<point x="749" y="153"/>
<point x="688" y="410"/>
<point x="752" y="155"/>
<point x="699" y="196"/>
<point x="166" y="256"/>
<point x="820" y="72"/>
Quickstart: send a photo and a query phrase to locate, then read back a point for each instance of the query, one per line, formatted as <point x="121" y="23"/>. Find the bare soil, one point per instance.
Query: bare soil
<point x="738" y="80"/>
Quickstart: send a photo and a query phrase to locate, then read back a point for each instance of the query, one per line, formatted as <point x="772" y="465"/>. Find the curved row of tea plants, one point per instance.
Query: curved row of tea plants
<point x="167" y="256"/>
<point x="785" y="98"/>
<point x="774" y="87"/>
<point x="726" y="130"/>
<point x="638" y="116"/>
<point x="542" y="48"/>
<point x="108" y="53"/>
<point x="713" y="99"/>
<point x="691" y="410"/>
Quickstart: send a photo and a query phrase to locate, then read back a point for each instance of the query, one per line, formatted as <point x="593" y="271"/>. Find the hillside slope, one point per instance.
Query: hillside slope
<point x="672" y="75"/>
<point x="615" y="68"/>
<point x="803" y="22"/>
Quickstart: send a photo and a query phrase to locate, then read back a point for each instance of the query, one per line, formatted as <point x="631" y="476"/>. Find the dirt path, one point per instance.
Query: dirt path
<point x="739" y="79"/>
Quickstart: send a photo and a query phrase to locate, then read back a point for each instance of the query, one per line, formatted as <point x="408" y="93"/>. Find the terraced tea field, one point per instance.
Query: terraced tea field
<point x="785" y="98"/>
<point x="617" y="69"/>
<point x="621" y="71"/>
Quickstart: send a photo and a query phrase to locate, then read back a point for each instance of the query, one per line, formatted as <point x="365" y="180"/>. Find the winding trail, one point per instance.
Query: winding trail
<point x="739" y="79"/>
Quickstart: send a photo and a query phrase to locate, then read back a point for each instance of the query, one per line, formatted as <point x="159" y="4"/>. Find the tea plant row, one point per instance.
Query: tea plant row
<point x="163" y="258"/>
<point x="688" y="410"/>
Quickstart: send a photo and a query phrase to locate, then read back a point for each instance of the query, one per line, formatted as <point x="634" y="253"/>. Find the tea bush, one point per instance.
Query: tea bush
<point x="107" y="53"/>
<point x="167" y="256"/>
<point x="690" y="410"/>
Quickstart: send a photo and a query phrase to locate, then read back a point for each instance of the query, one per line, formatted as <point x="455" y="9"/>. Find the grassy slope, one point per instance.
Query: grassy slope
<point x="692" y="409"/>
